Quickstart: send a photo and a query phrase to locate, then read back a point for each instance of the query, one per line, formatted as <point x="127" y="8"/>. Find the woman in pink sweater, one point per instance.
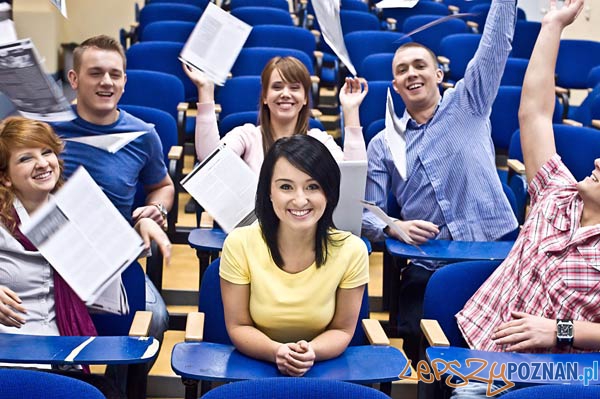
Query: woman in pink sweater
<point x="284" y="111"/>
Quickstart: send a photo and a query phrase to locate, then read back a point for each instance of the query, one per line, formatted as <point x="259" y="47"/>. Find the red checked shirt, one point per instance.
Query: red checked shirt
<point x="552" y="271"/>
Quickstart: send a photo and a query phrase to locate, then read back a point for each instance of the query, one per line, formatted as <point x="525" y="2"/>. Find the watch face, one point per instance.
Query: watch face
<point x="564" y="330"/>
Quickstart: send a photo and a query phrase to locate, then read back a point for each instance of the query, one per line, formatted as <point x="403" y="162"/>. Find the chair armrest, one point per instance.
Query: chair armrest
<point x="572" y="122"/>
<point x="317" y="35"/>
<point x="141" y="324"/>
<point x="447" y="85"/>
<point x="596" y="123"/>
<point x="391" y="23"/>
<point x="206" y="221"/>
<point x="375" y="333"/>
<point x="516" y="165"/>
<point x="433" y="333"/>
<point x="315" y="113"/>
<point x="453" y="9"/>
<point x="474" y="26"/>
<point x="194" y="327"/>
<point x="310" y="22"/>
<point x="176" y="152"/>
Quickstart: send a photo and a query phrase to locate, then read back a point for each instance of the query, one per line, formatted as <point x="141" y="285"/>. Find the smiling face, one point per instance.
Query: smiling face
<point x="99" y="83"/>
<point x="32" y="174"/>
<point x="284" y="99"/>
<point x="416" y="77"/>
<point x="298" y="200"/>
<point x="589" y="188"/>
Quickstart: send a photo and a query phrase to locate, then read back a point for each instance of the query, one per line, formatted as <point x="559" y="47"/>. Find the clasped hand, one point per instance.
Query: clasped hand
<point x="295" y="359"/>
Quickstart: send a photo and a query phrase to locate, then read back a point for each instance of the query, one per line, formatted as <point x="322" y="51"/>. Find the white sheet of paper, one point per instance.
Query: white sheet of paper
<point x="381" y="215"/>
<point x="32" y="91"/>
<point x="87" y="241"/>
<point x="61" y="5"/>
<point x="225" y="186"/>
<point x="215" y="43"/>
<point x="395" y="137"/>
<point x="108" y="142"/>
<point x="8" y="34"/>
<point x="397" y="4"/>
<point x="328" y="15"/>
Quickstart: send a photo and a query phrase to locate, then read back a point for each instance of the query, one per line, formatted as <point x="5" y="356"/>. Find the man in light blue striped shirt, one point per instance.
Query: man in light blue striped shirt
<point x="452" y="190"/>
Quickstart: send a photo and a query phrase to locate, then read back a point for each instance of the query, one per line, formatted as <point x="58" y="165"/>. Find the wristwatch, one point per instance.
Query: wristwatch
<point x="161" y="208"/>
<point x="564" y="332"/>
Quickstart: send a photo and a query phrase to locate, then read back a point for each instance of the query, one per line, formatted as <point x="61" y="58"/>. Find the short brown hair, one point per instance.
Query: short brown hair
<point x="18" y="132"/>
<point x="102" y="42"/>
<point x="291" y="70"/>
<point x="416" y="45"/>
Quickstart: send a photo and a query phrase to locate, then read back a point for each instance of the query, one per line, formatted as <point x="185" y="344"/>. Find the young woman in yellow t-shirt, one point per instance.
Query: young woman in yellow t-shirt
<point x="292" y="285"/>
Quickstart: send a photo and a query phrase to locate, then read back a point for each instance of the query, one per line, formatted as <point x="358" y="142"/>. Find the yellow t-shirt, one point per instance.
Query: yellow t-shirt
<point x="290" y="307"/>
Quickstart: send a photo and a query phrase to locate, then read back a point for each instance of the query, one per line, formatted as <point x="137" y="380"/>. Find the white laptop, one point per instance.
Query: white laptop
<point x="348" y="213"/>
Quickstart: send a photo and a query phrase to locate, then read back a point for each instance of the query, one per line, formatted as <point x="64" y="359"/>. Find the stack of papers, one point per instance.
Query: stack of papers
<point x="87" y="241"/>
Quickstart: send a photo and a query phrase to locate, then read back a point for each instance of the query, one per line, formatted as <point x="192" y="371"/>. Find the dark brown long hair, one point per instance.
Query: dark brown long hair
<point x="18" y="132"/>
<point x="291" y="71"/>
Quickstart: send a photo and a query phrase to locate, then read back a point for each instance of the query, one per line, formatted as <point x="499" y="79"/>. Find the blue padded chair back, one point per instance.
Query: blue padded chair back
<point x="432" y="37"/>
<point x="526" y="33"/>
<point x="576" y="58"/>
<point x="161" y="57"/>
<point x="210" y="302"/>
<point x="449" y="288"/>
<point x="377" y="67"/>
<point x="373" y="129"/>
<point x="263" y="16"/>
<point x="373" y="106"/>
<point x="518" y="185"/>
<point x="269" y="35"/>
<point x="459" y="49"/>
<point x="293" y="388"/>
<point x="239" y="94"/>
<point x="251" y="61"/>
<point x="422" y="7"/>
<point x="514" y="72"/>
<point x="26" y="384"/>
<point x="354" y="5"/>
<point x="480" y="12"/>
<point x="555" y="392"/>
<point x="512" y="200"/>
<point x="169" y="86"/>
<point x="240" y="118"/>
<point x="196" y="3"/>
<point x="135" y="286"/>
<point x="593" y="78"/>
<point x="583" y="112"/>
<point x="505" y="116"/>
<point x="168" y="12"/>
<point x="280" y="4"/>
<point x="167" y="31"/>
<point x="379" y="42"/>
<point x="351" y="21"/>
<point x="163" y="122"/>
<point x="165" y="126"/>
<point x="577" y="146"/>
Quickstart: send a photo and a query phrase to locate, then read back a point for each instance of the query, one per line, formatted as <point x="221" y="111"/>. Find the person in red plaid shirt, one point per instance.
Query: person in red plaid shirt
<point x="545" y="295"/>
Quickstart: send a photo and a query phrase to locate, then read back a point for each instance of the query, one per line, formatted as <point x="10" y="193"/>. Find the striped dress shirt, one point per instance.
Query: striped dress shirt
<point x="451" y="171"/>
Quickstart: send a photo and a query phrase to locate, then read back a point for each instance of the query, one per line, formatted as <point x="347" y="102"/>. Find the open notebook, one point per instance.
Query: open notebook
<point x="225" y="187"/>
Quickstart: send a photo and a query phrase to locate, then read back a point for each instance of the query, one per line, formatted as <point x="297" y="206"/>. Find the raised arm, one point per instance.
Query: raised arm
<point x="207" y="132"/>
<point x="352" y="94"/>
<point x="537" y="98"/>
